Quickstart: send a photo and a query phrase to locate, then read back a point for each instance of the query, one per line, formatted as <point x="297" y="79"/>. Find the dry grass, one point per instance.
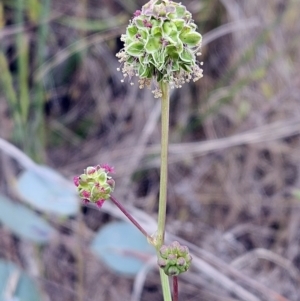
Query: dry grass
<point x="234" y="154"/>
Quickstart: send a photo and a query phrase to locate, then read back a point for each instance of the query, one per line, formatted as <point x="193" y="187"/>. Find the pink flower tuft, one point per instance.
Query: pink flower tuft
<point x="147" y="23"/>
<point x="86" y="194"/>
<point x="99" y="203"/>
<point x="91" y="170"/>
<point x="76" y="181"/>
<point x="137" y="13"/>
<point x="111" y="182"/>
<point x="107" y="168"/>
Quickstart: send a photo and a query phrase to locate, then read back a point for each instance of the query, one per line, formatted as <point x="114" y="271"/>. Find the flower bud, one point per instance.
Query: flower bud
<point x="95" y="185"/>
<point x="174" y="259"/>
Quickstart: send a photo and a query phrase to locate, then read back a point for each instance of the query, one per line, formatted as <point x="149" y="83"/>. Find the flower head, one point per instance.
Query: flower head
<point x="161" y="42"/>
<point x="174" y="259"/>
<point x="95" y="185"/>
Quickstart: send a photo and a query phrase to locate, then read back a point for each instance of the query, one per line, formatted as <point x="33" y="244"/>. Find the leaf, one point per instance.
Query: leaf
<point x="185" y="30"/>
<point x="191" y="39"/>
<point x="122" y="247"/>
<point x="153" y="45"/>
<point x="25" y="289"/>
<point x="180" y="11"/>
<point x="158" y="59"/>
<point x="145" y="71"/>
<point x="23" y="222"/>
<point x="187" y="56"/>
<point x="156" y="22"/>
<point x="144" y="34"/>
<point x="172" y="52"/>
<point x="173" y="37"/>
<point x="131" y="31"/>
<point x="156" y="31"/>
<point x="185" y="67"/>
<point x="179" y="23"/>
<point x="175" y="66"/>
<point x="135" y="49"/>
<point x="139" y="22"/>
<point x="49" y="194"/>
<point x="168" y="27"/>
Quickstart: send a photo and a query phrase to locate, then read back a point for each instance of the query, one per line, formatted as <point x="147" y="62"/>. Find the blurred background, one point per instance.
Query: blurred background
<point x="234" y="185"/>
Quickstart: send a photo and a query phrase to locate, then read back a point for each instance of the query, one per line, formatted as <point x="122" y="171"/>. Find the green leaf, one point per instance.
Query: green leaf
<point x="139" y="22"/>
<point x="172" y="52"/>
<point x="179" y="47"/>
<point x="142" y="71"/>
<point x="128" y="41"/>
<point x="156" y="23"/>
<point x="25" y="288"/>
<point x="171" y="16"/>
<point x="187" y="56"/>
<point x="159" y="59"/>
<point x="180" y="11"/>
<point x="160" y="76"/>
<point x="23" y="222"/>
<point x="173" y="37"/>
<point x="186" y="67"/>
<point x="135" y="49"/>
<point x="185" y="30"/>
<point x="144" y="34"/>
<point x="191" y="39"/>
<point x="193" y="26"/>
<point x="175" y="66"/>
<point x="179" y="23"/>
<point x="156" y="32"/>
<point x="131" y="31"/>
<point x="169" y="27"/>
<point x="50" y="193"/>
<point x="150" y="71"/>
<point x="130" y="59"/>
<point x="144" y="60"/>
<point x="153" y="44"/>
<point x="122" y="247"/>
<point x="145" y="71"/>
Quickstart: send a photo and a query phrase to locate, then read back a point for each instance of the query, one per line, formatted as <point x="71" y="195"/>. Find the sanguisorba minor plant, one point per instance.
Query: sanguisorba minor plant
<point x="161" y="46"/>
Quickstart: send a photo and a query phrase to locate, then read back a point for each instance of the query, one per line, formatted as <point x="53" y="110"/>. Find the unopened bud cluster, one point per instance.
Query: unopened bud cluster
<point x="161" y="42"/>
<point x="174" y="259"/>
<point x="95" y="185"/>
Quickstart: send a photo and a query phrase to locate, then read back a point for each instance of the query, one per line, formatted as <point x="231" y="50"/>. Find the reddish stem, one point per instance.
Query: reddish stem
<point x="131" y="218"/>
<point x="175" y="288"/>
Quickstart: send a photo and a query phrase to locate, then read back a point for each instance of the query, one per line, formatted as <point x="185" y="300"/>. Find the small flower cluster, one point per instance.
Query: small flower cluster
<point x="174" y="259"/>
<point x="95" y="185"/>
<point x="161" y="42"/>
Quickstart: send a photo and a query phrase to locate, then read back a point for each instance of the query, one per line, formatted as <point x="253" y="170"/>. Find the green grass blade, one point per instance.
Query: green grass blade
<point x="22" y="61"/>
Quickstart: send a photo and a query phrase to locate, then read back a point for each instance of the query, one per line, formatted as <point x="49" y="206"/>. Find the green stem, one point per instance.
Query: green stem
<point x="164" y="279"/>
<point x="165" y="106"/>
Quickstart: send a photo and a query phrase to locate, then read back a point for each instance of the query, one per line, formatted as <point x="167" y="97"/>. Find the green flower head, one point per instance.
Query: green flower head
<point x="95" y="185"/>
<point x="174" y="259"/>
<point x="161" y="43"/>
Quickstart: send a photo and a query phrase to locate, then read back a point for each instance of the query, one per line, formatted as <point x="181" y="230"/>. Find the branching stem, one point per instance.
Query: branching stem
<point x="131" y="218"/>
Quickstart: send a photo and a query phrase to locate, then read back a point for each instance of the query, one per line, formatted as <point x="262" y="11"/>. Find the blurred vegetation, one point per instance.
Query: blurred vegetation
<point x="234" y="153"/>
